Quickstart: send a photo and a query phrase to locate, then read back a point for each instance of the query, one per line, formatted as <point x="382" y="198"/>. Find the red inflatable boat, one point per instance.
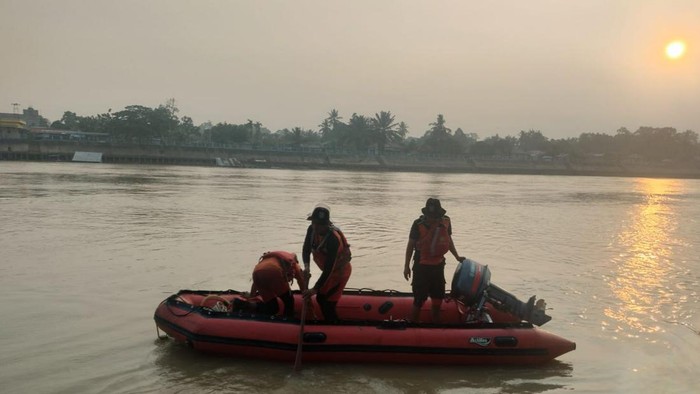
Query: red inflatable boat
<point x="494" y="330"/>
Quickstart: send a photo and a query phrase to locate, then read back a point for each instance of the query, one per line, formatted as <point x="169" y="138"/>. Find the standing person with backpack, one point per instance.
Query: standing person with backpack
<point x="430" y="238"/>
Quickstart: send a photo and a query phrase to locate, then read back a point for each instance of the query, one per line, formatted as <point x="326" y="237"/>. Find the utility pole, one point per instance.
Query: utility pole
<point x="15" y="108"/>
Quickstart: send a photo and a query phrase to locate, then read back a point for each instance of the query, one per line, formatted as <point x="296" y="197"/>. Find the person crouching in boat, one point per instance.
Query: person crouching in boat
<point x="431" y="239"/>
<point x="271" y="279"/>
<point x="331" y="253"/>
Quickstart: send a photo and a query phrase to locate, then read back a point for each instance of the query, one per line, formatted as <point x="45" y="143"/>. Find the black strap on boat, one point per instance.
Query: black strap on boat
<point x="173" y="298"/>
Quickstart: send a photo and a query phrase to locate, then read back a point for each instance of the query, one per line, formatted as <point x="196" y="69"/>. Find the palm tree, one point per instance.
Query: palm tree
<point x="325" y="128"/>
<point x="333" y="118"/>
<point x="384" y="129"/>
<point x="437" y="138"/>
<point x="297" y="135"/>
<point x="439" y="130"/>
<point x="359" y="131"/>
<point x="403" y="130"/>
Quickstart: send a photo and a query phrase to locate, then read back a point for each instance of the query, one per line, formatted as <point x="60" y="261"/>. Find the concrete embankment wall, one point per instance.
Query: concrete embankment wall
<point x="207" y="156"/>
<point x="64" y="151"/>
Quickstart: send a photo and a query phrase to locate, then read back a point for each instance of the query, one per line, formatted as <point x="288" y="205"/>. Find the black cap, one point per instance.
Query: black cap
<point x="321" y="214"/>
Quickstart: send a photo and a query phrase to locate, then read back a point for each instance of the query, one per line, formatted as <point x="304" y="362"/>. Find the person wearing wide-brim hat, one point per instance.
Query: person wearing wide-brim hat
<point x="331" y="253"/>
<point x="428" y="242"/>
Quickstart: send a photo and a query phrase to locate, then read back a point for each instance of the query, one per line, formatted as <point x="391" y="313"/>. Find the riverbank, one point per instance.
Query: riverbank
<point x="23" y="150"/>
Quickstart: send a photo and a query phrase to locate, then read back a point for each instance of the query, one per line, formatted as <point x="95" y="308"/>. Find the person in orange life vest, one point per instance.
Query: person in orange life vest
<point x="271" y="278"/>
<point x="331" y="253"/>
<point x="430" y="238"/>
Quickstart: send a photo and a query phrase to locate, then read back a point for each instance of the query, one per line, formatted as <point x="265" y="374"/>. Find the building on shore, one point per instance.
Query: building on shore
<point x="49" y="134"/>
<point x="13" y="129"/>
<point x="29" y="116"/>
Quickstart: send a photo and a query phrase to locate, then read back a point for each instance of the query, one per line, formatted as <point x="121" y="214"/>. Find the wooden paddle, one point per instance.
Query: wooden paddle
<point x="304" y="307"/>
<point x="297" y="361"/>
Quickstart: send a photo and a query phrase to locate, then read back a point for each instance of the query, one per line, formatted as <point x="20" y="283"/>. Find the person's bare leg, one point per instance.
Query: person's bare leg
<point x="436" y="313"/>
<point x="415" y="314"/>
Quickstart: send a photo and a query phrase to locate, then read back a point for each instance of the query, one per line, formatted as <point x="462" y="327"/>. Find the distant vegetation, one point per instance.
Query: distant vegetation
<point x="379" y="133"/>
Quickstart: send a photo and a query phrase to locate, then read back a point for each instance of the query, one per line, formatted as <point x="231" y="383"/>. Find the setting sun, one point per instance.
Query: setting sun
<point x="675" y="49"/>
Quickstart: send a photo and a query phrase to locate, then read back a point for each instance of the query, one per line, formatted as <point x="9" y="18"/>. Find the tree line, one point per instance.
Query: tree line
<point x="378" y="134"/>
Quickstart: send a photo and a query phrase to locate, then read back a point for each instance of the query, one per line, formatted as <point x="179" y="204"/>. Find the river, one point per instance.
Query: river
<point x="87" y="251"/>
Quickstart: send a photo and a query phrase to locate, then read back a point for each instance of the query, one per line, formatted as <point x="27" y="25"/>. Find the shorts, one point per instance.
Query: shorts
<point x="428" y="281"/>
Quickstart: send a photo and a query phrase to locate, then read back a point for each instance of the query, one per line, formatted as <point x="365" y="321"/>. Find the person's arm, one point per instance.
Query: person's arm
<point x="453" y="250"/>
<point x="331" y="257"/>
<point x="306" y="250"/>
<point x="410" y="246"/>
<point x="299" y="277"/>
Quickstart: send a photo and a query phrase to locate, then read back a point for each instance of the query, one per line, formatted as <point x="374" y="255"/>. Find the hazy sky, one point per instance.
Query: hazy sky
<point x="560" y="66"/>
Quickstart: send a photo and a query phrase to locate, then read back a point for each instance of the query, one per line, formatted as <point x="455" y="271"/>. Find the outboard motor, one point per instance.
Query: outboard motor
<point x="470" y="281"/>
<point x="471" y="284"/>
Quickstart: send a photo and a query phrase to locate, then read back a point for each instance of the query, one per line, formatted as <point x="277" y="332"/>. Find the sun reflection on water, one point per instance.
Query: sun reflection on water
<point x="641" y="285"/>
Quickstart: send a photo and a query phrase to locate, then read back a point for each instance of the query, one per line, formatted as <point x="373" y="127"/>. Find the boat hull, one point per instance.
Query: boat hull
<point x="365" y="334"/>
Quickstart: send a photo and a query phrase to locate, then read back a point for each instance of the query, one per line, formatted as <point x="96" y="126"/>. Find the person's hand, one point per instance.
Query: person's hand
<point x="407" y="272"/>
<point x="461" y="258"/>
<point x="308" y="293"/>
